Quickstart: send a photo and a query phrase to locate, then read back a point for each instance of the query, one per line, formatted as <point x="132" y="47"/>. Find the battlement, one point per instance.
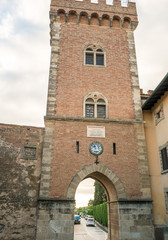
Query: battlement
<point x="101" y="12"/>
<point x="122" y="3"/>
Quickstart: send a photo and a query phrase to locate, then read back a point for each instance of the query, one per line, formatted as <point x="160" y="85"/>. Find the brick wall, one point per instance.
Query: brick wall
<point x="101" y="7"/>
<point x="75" y="79"/>
<point x="66" y="162"/>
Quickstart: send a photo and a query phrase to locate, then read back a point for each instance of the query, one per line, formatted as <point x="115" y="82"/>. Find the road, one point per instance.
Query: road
<point x="81" y="232"/>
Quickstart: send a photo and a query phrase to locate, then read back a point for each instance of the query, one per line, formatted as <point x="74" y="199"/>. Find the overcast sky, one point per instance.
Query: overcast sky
<point x="25" y="55"/>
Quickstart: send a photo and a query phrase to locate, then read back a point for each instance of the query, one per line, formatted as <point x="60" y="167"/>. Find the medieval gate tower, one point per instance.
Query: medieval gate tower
<point x="93" y="105"/>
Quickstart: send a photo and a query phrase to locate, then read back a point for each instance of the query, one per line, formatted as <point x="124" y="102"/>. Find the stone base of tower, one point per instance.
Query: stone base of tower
<point x="136" y="220"/>
<point x="55" y="220"/>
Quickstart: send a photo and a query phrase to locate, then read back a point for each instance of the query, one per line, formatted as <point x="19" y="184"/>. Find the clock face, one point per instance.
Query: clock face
<point x="96" y="148"/>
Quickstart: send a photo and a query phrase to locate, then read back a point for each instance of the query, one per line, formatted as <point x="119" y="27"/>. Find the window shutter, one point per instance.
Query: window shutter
<point x="164" y="158"/>
<point x="89" y="58"/>
<point x="101" y="111"/>
<point x="89" y="110"/>
<point x="100" y="59"/>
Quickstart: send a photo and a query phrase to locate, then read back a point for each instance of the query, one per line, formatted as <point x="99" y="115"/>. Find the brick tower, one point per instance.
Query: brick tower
<point x="93" y="105"/>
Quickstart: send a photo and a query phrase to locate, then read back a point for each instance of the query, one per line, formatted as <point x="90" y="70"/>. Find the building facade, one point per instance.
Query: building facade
<point x="155" y="111"/>
<point x="93" y="128"/>
<point x="94" y="101"/>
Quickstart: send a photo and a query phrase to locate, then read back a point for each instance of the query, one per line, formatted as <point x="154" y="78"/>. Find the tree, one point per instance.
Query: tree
<point x="90" y="203"/>
<point x="99" y="194"/>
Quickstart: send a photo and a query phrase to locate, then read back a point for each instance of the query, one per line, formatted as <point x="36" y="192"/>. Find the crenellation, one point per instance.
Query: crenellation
<point x="64" y="12"/>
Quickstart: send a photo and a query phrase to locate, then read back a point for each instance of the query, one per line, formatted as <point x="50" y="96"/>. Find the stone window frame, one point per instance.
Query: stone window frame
<point x="163" y="171"/>
<point x="26" y="157"/>
<point x="166" y="199"/>
<point x="159" y="114"/>
<point x="95" y="47"/>
<point x="95" y="96"/>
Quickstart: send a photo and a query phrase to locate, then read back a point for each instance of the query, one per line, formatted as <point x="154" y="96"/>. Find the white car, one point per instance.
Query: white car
<point x="90" y="222"/>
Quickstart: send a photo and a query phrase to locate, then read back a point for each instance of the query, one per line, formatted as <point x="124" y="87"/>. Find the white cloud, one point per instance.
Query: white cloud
<point x="151" y="42"/>
<point x="24" y="62"/>
<point x="84" y="192"/>
<point x="34" y="11"/>
<point x="6" y="26"/>
<point x="25" y="55"/>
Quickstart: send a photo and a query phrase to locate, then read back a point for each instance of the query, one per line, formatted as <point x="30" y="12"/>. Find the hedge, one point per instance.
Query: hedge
<point x="100" y="213"/>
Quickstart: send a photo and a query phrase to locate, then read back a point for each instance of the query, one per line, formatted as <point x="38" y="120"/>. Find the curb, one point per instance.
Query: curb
<point x="105" y="229"/>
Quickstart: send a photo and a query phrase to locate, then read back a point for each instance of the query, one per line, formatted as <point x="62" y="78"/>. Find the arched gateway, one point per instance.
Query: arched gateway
<point x="114" y="191"/>
<point x="94" y="107"/>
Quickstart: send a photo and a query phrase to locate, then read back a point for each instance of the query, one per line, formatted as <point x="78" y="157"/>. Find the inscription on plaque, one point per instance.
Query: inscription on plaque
<point x="29" y="152"/>
<point x="96" y="131"/>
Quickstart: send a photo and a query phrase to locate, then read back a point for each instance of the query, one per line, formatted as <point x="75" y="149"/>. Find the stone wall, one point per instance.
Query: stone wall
<point x="55" y="220"/>
<point x="136" y="220"/>
<point x="20" y="158"/>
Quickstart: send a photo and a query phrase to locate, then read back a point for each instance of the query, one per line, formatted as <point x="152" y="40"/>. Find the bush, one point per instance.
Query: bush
<point x="100" y="214"/>
<point x="90" y="211"/>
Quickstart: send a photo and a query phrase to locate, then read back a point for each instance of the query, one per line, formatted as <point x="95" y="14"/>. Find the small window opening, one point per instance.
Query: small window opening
<point x="89" y="58"/>
<point x="89" y="100"/>
<point x="158" y="114"/>
<point x="89" y="49"/>
<point x="77" y="147"/>
<point x="94" y="56"/>
<point x="166" y="201"/>
<point x="90" y="110"/>
<point x="95" y="107"/>
<point x="100" y="101"/>
<point x="114" y="148"/>
<point x="164" y="158"/>
<point x="101" y="111"/>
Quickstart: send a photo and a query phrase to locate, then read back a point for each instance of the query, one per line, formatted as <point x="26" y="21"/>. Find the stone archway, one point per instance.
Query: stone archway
<point x="89" y="171"/>
<point x="127" y="219"/>
<point x="114" y="189"/>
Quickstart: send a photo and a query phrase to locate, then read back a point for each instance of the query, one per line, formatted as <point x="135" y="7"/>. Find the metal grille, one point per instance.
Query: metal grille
<point x="89" y="110"/>
<point x="101" y="111"/>
<point x="100" y="59"/>
<point x="164" y="158"/>
<point x="89" y="58"/>
<point x="166" y="201"/>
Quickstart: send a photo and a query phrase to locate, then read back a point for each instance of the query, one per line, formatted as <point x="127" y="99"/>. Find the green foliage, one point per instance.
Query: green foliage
<point x="90" y="203"/>
<point x="90" y="212"/>
<point x="100" y="213"/>
<point x="99" y="194"/>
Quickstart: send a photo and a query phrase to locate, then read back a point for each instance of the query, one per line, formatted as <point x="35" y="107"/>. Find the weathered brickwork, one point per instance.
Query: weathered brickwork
<point x="65" y="158"/>
<point x="75" y="25"/>
<point x="32" y="156"/>
<point x="19" y="181"/>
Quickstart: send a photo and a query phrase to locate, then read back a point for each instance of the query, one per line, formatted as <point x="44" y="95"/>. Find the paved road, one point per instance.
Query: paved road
<point x="81" y="232"/>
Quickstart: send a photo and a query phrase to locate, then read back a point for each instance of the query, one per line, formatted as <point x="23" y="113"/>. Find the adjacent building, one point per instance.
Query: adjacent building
<point x="155" y="113"/>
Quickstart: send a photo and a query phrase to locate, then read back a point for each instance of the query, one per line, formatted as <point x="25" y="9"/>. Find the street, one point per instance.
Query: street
<point x="82" y="232"/>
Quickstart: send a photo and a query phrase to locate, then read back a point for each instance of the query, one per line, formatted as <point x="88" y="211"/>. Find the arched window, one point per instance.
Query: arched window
<point x="94" y="55"/>
<point x="95" y="106"/>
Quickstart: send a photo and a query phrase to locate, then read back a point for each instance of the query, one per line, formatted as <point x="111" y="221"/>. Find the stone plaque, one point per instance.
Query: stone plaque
<point x="29" y="152"/>
<point x="96" y="131"/>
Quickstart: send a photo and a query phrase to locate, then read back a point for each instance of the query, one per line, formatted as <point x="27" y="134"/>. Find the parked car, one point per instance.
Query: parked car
<point x="90" y="222"/>
<point x="88" y="216"/>
<point x="76" y="219"/>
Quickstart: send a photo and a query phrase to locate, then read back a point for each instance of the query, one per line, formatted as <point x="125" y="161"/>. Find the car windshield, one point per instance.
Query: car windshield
<point x="90" y="219"/>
